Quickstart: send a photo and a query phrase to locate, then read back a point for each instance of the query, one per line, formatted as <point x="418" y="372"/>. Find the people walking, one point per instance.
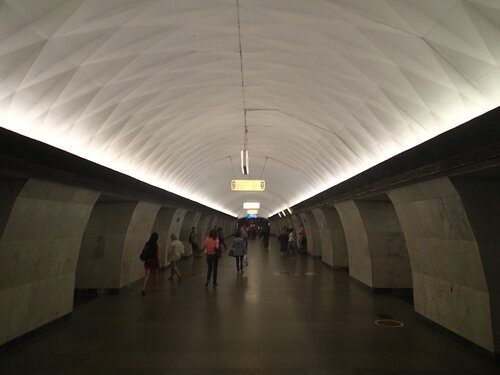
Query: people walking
<point x="302" y="238"/>
<point x="292" y="244"/>
<point x="211" y="246"/>
<point x="175" y="253"/>
<point x="194" y="245"/>
<point x="265" y="233"/>
<point x="220" y="233"/>
<point x="283" y="241"/>
<point x="244" y="235"/>
<point x="239" y="251"/>
<point x="151" y="262"/>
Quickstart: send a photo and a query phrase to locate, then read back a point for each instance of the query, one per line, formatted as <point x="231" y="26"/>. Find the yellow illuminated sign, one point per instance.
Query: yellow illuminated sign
<point x="252" y="212"/>
<point x="248" y="185"/>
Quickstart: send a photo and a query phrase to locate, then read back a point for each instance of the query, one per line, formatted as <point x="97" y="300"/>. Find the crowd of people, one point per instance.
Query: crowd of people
<point x="212" y="249"/>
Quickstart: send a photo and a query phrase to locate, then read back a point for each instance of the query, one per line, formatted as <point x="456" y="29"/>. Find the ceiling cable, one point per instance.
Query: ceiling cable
<point x="265" y="162"/>
<point x="244" y="151"/>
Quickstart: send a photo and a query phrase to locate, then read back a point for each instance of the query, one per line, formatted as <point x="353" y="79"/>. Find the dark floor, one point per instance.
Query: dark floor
<point x="280" y="317"/>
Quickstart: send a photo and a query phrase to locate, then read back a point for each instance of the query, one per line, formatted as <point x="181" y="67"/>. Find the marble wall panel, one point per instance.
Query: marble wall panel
<point x="138" y="232"/>
<point x="187" y="224"/>
<point x="480" y="194"/>
<point x="339" y="245"/>
<point x="325" y="240"/>
<point x="175" y="225"/>
<point x="314" y="242"/>
<point x="99" y="263"/>
<point x="203" y="229"/>
<point x="360" y="263"/>
<point x="449" y="282"/>
<point x="40" y="245"/>
<point x="161" y="226"/>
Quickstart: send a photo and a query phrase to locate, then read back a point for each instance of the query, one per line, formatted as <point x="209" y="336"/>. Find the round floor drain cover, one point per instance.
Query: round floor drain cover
<point x="388" y="323"/>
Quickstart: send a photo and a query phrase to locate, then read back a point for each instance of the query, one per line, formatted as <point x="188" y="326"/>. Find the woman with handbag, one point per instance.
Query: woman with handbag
<point x="212" y="251"/>
<point x="238" y="251"/>
<point x="151" y="252"/>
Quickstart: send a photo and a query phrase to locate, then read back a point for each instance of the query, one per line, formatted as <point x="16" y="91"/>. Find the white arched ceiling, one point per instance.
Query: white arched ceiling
<point x="332" y="87"/>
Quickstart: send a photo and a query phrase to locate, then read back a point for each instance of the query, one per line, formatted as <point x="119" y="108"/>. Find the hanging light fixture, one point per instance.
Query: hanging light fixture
<point x="244" y="162"/>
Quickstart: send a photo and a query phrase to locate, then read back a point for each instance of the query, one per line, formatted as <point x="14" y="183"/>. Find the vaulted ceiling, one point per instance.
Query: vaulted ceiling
<point x="158" y="89"/>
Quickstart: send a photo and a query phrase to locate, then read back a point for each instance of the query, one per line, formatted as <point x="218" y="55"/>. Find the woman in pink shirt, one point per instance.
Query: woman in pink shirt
<point x="211" y="246"/>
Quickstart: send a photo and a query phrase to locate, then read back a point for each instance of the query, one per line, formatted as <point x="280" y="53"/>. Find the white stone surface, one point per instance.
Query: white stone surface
<point x="188" y="223"/>
<point x="138" y="232"/>
<point x="175" y="225"/>
<point x="38" y="254"/>
<point x="99" y="263"/>
<point x="340" y="254"/>
<point x="314" y="240"/>
<point x="376" y="244"/>
<point x="325" y="240"/>
<point x="134" y="84"/>
<point x="360" y="262"/>
<point x="202" y="229"/>
<point x="161" y="226"/>
<point x="333" y="237"/>
<point x="449" y="283"/>
<point x="390" y="262"/>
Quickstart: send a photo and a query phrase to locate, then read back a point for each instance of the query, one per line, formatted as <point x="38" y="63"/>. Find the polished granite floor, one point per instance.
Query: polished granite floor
<point x="279" y="317"/>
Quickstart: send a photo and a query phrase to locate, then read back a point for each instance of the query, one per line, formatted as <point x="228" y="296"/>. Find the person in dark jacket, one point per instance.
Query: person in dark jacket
<point x="239" y="251"/>
<point x="194" y="245"/>
<point x="152" y="262"/>
<point x="283" y="241"/>
<point x="265" y="233"/>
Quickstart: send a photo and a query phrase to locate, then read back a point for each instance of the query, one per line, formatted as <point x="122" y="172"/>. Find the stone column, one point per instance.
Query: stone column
<point x="99" y="262"/>
<point x="338" y="245"/>
<point x="377" y="249"/>
<point x="449" y="283"/>
<point x="360" y="261"/>
<point x="480" y="195"/>
<point x="38" y="254"/>
<point x="275" y="227"/>
<point x="203" y="228"/>
<point x="325" y="238"/>
<point x="176" y="225"/>
<point x="138" y="232"/>
<point x="113" y="239"/>
<point x="314" y="243"/>
<point x="187" y="224"/>
<point x="161" y="226"/>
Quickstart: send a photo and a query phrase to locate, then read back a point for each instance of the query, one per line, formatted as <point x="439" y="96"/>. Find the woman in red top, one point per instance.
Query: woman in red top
<point x="211" y="246"/>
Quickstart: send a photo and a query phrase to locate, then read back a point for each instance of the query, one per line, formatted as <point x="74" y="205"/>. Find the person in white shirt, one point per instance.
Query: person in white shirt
<point x="175" y="253"/>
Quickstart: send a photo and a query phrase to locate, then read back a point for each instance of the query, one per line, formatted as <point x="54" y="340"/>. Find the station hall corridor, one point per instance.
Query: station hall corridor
<point x="280" y="317"/>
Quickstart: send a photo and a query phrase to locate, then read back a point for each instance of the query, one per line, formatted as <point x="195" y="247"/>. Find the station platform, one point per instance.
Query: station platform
<point x="279" y="317"/>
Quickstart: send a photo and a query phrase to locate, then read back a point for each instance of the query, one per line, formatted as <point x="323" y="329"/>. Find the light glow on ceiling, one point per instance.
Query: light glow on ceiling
<point x="251" y="205"/>
<point x="329" y="89"/>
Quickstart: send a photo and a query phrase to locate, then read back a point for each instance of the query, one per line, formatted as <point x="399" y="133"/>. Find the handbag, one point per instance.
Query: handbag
<point x="231" y="253"/>
<point x="144" y="254"/>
